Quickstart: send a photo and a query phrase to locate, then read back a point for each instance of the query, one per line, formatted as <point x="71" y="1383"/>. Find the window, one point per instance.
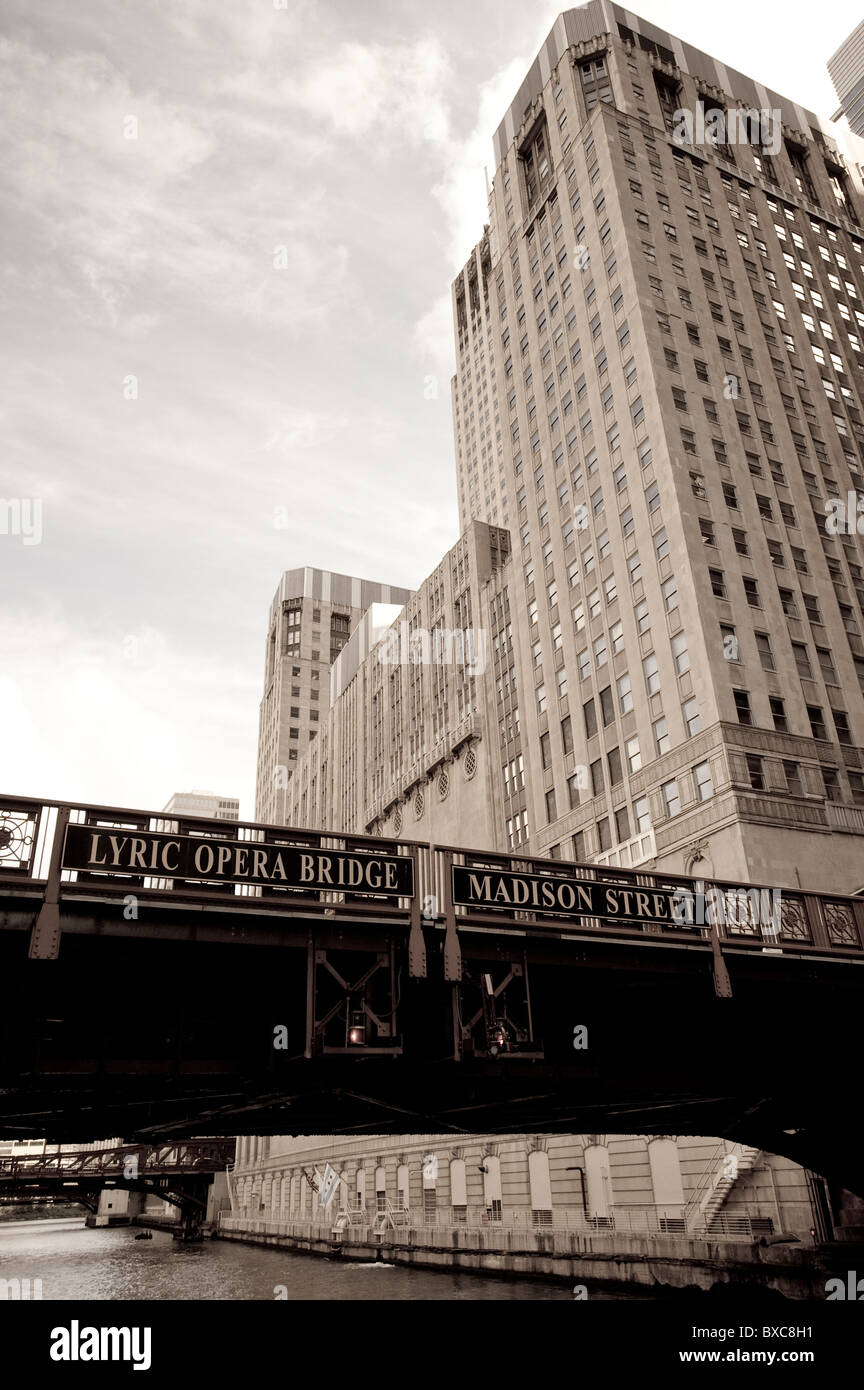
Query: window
<point x="751" y="589"/>
<point x="590" y="718"/>
<point x="661" y="736"/>
<point x="718" y="583"/>
<point x="740" y="539"/>
<point x="841" y="724"/>
<point x="661" y="543"/>
<point x="766" y="656"/>
<point x="692" y="722"/>
<point x="831" y="783"/>
<point x="817" y="722"/>
<point x="778" y="714"/>
<point x="671" y="798"/>
<point x="670" y="594"/>
<point x="788" y="604"/>
<point x="614" y="761"/>
<point x="826" y="665"/>
<point x="742" y="706"/>
<point x="625" y="694"/>
<point x="755" y="773"/>
<point x="597" y="784"/>
<point x="706" y="527"/>
<point x="607" y="708"/>
<point x="792" y="773"/>
<point x="551" y="810"/>
<point x="802" y="660"/>
<point x="652" y="674"/>
<point x="680" y="653"/>
<point x="702" y="781"/>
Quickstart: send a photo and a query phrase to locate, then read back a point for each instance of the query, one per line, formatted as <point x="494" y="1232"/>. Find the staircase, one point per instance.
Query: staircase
<point x="716" y="1182"/>
<point x="390" y="1217"/>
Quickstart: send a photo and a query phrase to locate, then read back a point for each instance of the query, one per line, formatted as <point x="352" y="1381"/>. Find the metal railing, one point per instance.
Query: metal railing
<point x="663" y="1222"/>
<point x="32" y="831"/>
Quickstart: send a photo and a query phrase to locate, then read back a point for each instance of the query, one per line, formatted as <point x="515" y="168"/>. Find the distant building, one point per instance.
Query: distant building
<point x="312" y="615"/>
<point x="205" y="804"/>
<point x="847" y="73"/>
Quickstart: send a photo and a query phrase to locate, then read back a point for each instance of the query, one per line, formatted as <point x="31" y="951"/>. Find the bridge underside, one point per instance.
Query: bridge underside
<point x="201" y="1033"/>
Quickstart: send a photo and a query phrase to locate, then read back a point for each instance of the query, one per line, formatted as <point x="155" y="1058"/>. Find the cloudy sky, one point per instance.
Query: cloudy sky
<point x="229" y="232"/>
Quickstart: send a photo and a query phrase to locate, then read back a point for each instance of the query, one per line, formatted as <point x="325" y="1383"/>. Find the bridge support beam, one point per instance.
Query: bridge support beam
<point x="45" y="936"/>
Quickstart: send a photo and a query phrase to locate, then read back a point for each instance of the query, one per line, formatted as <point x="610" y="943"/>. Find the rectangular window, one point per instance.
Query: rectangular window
<point x="742" y="706"/>
<point x="703" y="782"/>
<point x="671" y="798"/>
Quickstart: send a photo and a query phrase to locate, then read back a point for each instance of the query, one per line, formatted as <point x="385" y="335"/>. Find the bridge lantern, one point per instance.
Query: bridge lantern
<point x="357" y="1028"/>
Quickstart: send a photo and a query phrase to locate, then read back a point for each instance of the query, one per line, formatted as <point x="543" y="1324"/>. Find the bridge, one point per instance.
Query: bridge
<point x="165" y="977"/>
<point x="179" y="1172"/>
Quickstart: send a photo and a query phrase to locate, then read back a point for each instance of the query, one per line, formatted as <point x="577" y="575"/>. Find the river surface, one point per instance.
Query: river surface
<point x="79" y="1262"/>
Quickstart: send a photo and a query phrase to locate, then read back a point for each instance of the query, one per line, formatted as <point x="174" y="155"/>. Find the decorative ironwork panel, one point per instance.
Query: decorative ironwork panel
<point x="738" y="912"/>
<point x="842" y="930"/>
<point x="17" y="840"/>
<point x="793" y="919"/>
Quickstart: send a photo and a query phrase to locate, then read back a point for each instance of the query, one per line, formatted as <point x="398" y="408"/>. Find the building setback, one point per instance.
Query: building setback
<point x="311" y="618"/>
<point x="208" y="804"/>
<point x="846" y="68"/>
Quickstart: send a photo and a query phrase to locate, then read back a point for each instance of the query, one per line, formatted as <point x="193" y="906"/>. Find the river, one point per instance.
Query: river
<point x="74" y="1261"/>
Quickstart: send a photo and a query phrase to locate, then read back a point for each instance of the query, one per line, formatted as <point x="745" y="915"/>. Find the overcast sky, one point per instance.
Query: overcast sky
<point x="220" y="334"/>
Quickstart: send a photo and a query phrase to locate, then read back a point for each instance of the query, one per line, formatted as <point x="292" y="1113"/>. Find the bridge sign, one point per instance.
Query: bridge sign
<point x="569" y="897"/>
<point x="112" y="851"/>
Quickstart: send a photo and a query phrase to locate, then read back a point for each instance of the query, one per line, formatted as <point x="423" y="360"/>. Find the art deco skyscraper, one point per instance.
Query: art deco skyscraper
<point x="659" y="397"/>
<point x="677" y="332"/>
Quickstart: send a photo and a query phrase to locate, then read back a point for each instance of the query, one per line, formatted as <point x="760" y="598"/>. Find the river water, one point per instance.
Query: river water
<point x="74" y="1261"/>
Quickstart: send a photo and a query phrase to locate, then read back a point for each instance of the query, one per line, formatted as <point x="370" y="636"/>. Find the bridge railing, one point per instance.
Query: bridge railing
<point x="658" y="1222"/>
<point x="184" y="1156"/>
<point x="32" y="834"/>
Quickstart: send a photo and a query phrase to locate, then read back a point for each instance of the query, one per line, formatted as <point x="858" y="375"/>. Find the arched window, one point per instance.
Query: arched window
<point x="492" y="1187"/>
<point x="458" y="1190"/>
<point x="598" y="1180"/>
<point x="402" y="1186"/>
<point x="430" y="1188"/>
<point x="540" y="1184"/>
<point x="380" y="1189"/>
<point x="666" y="1181"/>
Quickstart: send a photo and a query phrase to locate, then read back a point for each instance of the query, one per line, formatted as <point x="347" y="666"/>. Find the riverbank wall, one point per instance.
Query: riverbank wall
<point x="656" y="1265"/>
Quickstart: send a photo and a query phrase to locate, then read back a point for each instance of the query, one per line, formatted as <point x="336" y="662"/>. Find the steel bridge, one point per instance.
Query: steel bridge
<point x="179" y="1172"/>
<point x="164" y="977"/>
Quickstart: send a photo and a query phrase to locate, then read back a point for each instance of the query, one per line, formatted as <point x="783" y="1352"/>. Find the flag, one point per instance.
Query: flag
<point x="327" y="1185"/>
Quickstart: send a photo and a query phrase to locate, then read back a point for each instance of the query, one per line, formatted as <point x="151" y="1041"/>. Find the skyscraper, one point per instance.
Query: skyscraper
<point x="311" y="618"/>
<point x="659" y="349"/>
<point x="847" y="73"/>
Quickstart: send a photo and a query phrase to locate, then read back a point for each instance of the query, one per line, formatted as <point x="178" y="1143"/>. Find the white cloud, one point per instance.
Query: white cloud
<point x="396" y="91"/>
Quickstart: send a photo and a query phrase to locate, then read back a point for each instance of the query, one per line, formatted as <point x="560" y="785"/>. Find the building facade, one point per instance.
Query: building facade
<point x="846" y="68"/>
<point x="664" y="322"/>
<point x="311" y="618"/>
<point x="635" y="1183"/>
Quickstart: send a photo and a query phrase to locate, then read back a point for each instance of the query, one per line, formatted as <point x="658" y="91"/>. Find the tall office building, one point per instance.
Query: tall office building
<point x="206" y="804"/>
<point x="847" y="73"/>
<point x="311" y="618"/>
<point x="664" y="323"/>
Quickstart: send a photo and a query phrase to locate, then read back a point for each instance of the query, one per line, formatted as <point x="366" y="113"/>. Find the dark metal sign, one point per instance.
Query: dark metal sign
<point x="568" y="897"/>
<point x="116" y="851"/>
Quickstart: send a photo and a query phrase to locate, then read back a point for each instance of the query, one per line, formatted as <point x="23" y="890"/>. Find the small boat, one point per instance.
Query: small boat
<point x="144" y="1235"/>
